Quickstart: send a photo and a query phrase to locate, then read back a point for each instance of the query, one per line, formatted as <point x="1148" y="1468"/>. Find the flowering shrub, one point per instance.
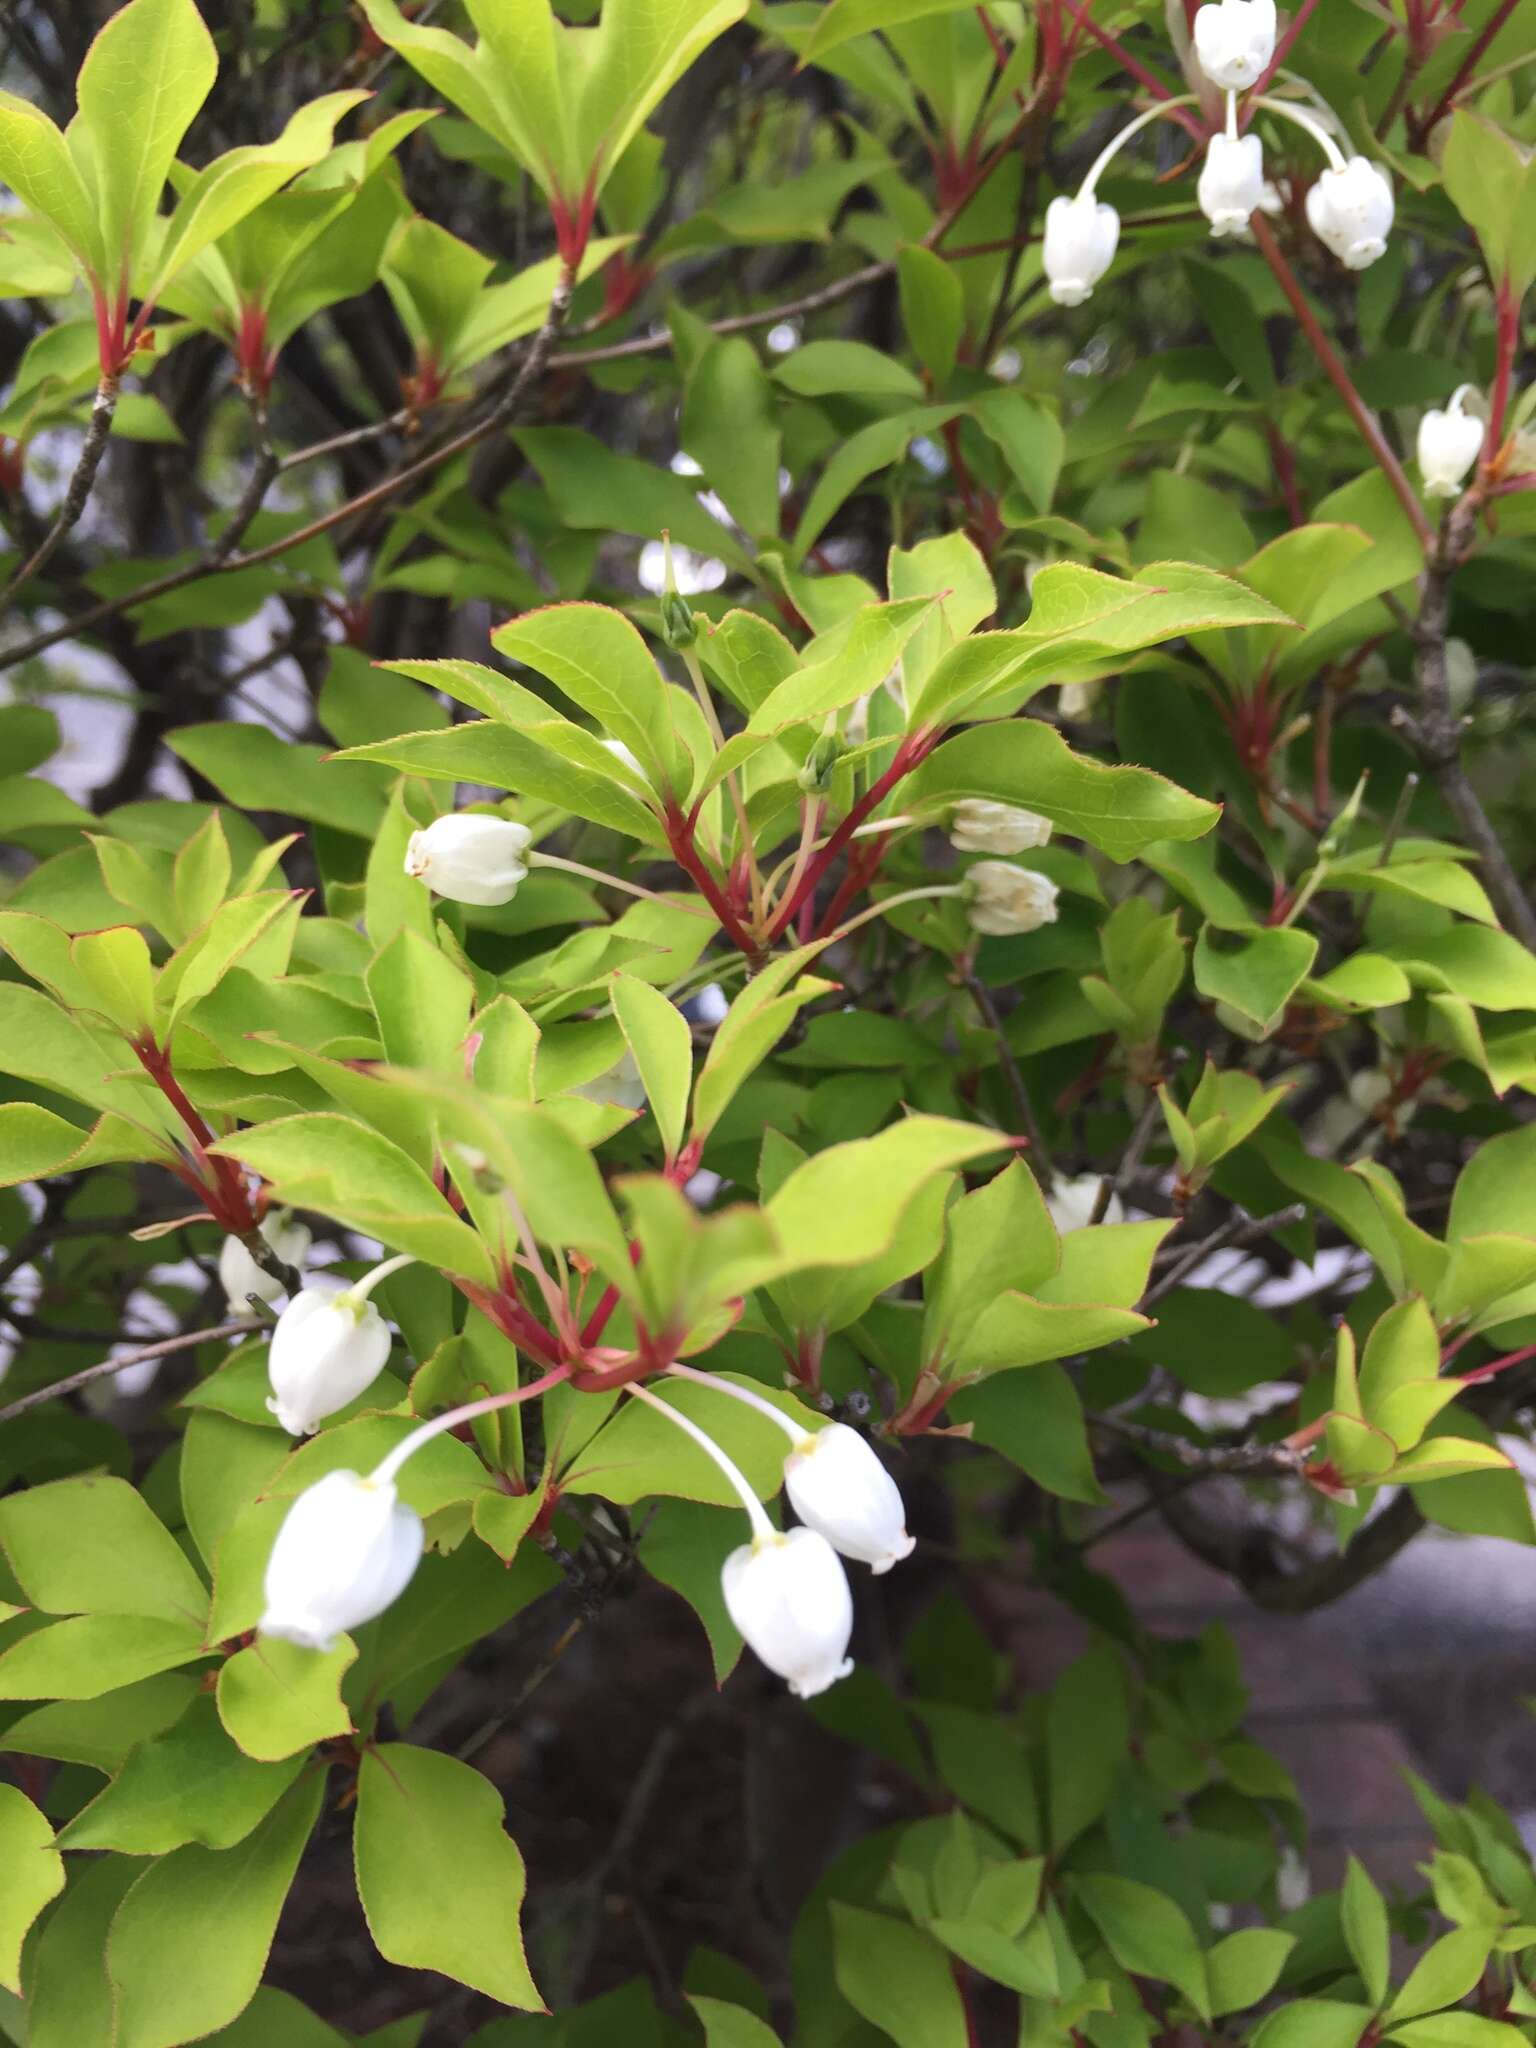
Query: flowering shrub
<point x="888" y="641"/>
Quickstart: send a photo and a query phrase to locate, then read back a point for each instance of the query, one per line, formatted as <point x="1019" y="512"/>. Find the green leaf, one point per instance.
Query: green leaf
<point x="277" y="1700"/>
<point x="1027" y="763"/>
<point x="36" y="163"/>
<point x="1363" y="1913"/>
<point x="595" y="489"/>
<point x="1255" y="974"/>
<point x="730" y="428"/>
<point x="115" y="966"/>
<point x="1454" y="2030"/>
<point x="1445" y="1973"/>
<point x="144" y="77"/>
<point x="34" y="1874"/>
<point x="170" y="1990"/>
<point x="69" y="1995"/>
<point x="1147" y="1934"/>
<point x="898" y="1978"/>
<point x="1036" y="1420"/>
<point x="932" y="309"/>
<point x="1314" y="2023"/>
<point x="845" y="19"/>
<point x="844" y="1205"/>
<point x="93" y="1545"/>
<point x="190" y="1784"/>
<point x="684" y="1544"/>
<point x="88" y="1654"/>
<point x="1243" y="1967"/>
<point x="658" y="1035"/>
<point x="1492" y="183"/>
<point x="260" y="772"/>
<point x="639" y="1452"/>
<point x="329" y="1163"/>
<point x="102" y="1731"/>
<point x="601" y="663"/>
<point x="731" y="2026"/>
<point x="440" y="1881"/>
<point x="1087" y="1736"/>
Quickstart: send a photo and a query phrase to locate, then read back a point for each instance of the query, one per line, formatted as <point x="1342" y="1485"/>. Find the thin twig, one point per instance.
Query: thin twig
<point x="1252" y="1460"/>
<point x="97" y="433"/>
<point x="141" y="1356"/>
<point x="501" y="415"/>
<point x="1436" y="731"/>
<point x="1238" y="1231"/>
<point x="1040" y="1156"/>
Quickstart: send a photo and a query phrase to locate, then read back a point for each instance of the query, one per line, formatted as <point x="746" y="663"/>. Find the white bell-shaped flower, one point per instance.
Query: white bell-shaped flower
<point x="789" y="1597"/>
<point x="239" y="1274"/>
<point x="1081" y="236"/>
<point x="329" y="1345"/>
<point x="470" y="857"/>
<point x="1004" y="899"/>
<point x="1073" y="1199"/>
<point x="1449" y="444"/>
<point x="981" y="826"/>
<point x="346" y="1550"/>
<point x="838" y="1487"/>
<point x="1351" y="209"/>
<point x="1235" y="40"/>
<point x="1231" y="185"/>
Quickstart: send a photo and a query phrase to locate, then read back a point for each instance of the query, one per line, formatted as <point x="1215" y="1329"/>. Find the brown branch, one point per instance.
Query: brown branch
<point x="1039" y="1153"/>
<point x="501" y="415"/>
<point x="97" y="433"/>
<point x="141" y="1356"/>
<point x="1435" y="729"/>
<point x="1237" y="1232"/>
<point x="1253" y="1461"/>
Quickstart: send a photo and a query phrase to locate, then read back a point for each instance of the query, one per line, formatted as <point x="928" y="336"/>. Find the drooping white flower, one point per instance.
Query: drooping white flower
<point x="789" y="1597"/>
<point x="1081" y="236"/>
<point x="981" y="826"/>
<point x="329" y="1345"/>
<point x="838" y="1487"/>
<point x="470" y="857"/>
<point x="1004" y="899"/>
<point x="1072" y="1201"/>
<point x="1449" y="444"/>
<point x="1351" y="210"/>
<point x="1231" y="185"/>
<point x="346" y="1550"/>
<point x="1235" y="40"/>
<point x="239" y="1274"/>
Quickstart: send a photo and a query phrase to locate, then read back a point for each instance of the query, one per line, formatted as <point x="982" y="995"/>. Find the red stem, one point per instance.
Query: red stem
<point x="1159" y="89"/>
<point x="228" y="1202"/>
<point x="1339" y="377"/>
<point x="1283" y="49"/>
<point x="685" y="853"/>
<point x="1486" y="1372"/>
<point x="914" y="749"/>
<point x="513" y="1320"/>
<point x="1425" y="125"/>
<point x="1508" y="347"/>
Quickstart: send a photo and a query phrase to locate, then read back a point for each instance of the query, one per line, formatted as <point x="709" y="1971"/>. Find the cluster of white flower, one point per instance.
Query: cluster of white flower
<point x="1350" y="207"/>
<point x="1002" y="899"/>
<point x="348" y="1545"/>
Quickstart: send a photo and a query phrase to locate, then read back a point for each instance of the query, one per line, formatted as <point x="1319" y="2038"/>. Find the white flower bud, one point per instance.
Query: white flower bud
<point x="1078" y="699"/>
<point x="327" y="1348"/>
<point x="624" y="755"/>
<point x="981" y="826"/>
<point x="1351" y="210"/>
<point x="470" y="857"/>
<point x="239" y="1274"/>
<point x="838" y="1487"/>
<point x="1071" y="1203"/>
<point x="1081" y="236"/>
<point x="346" y="1550"/>
<point x="1231" y="185"/>
<point x="789" y="1597"/>
<point x="1449" y="444"/>
<point x="1235" y="40"/>
<point x="1005" y="899"/>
